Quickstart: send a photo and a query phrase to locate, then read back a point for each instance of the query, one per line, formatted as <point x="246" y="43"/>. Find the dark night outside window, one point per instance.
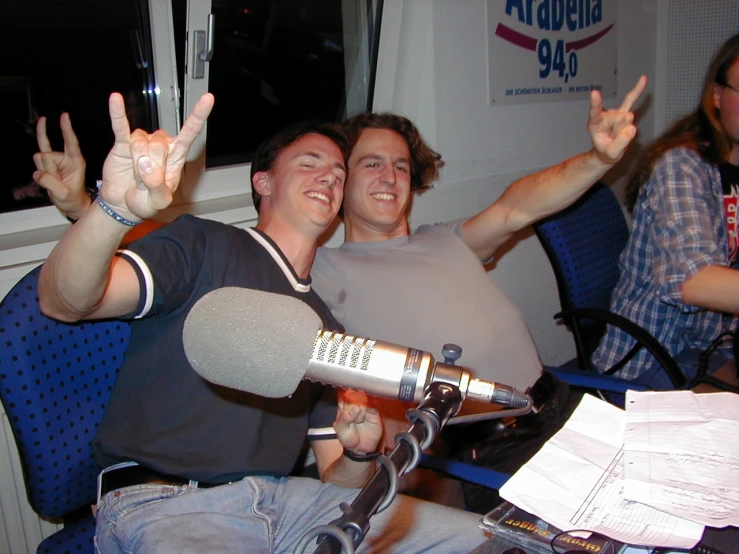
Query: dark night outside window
<point x="69" y="56"/>
<point x="275" y="62"/>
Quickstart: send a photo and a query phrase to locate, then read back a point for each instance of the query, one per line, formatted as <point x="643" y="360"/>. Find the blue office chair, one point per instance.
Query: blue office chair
<point x="55" y="381"/>
<point x="583" y="244"/>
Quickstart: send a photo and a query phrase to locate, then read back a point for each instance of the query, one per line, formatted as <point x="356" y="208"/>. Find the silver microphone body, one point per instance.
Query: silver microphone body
<point x="266" y="343"/>
<point x="392" y="371"/>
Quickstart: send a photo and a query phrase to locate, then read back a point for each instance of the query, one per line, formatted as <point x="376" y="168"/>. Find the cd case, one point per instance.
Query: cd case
<point x="535" y="535"/>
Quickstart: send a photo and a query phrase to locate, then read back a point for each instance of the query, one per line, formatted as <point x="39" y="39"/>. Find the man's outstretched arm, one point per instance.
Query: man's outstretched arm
<point x="548" y="191"/>
<point x="82" y="279"/>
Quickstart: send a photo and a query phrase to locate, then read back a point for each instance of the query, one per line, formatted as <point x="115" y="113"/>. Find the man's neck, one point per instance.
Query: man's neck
<point x="357" y="232"/>
<point x="299" y="249"/>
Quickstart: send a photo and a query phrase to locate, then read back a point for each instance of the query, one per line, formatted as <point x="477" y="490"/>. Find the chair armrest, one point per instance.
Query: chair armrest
<point x="597" y="381"/>
<point x="642" y="337"/>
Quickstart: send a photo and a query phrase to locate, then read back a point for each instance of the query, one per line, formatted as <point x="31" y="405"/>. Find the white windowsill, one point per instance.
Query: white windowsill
<point x="34" y="245"/>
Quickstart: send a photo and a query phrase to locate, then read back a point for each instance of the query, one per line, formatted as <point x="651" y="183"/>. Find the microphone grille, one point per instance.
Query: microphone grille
<point x="343" y="350"/>
<point x="251" y="340"/>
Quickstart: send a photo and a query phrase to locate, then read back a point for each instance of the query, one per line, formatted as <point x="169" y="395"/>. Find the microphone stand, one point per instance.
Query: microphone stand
<point x="344" y="534"/>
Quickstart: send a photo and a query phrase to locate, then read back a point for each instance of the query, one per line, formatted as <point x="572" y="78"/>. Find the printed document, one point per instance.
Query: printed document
<point x="682" y="454"/>
<point x="576" y="481"/>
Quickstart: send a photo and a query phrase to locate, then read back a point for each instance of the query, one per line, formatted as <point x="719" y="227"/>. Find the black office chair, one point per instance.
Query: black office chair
<point x="583" y="243"/>
<point x="55" y="382"/>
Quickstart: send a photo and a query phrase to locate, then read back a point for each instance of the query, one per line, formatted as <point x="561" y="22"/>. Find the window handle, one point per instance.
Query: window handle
<point x="203" y="51"/>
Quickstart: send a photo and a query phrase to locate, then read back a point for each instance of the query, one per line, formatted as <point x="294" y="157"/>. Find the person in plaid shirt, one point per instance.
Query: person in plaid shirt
<point x="679" y="277"/>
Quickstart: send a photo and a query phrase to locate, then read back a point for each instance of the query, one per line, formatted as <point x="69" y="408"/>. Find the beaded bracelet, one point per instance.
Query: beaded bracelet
<point x="118" y="217"/>
<point x="108" y="210"/>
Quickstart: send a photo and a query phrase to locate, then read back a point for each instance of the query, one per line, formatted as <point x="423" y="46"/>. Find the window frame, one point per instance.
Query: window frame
<point x="201" y="184"/>
<point x="222" y="193"/>
<point x="161" y="21"/>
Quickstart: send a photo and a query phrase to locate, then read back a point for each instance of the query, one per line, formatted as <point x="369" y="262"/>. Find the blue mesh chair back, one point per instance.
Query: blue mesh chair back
<point x="55" y="382"/>
<point x="583" y="244"/>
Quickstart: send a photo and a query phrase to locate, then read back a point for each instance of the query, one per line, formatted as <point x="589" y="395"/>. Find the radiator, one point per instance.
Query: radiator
<point x="21" y="530"/>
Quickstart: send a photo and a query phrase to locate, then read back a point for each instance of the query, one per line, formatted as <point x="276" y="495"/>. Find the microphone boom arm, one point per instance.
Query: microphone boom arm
<point x="344" y="534"/>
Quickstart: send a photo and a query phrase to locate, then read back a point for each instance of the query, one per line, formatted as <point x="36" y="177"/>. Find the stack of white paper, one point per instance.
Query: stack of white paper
<point x="682" y="454"/>
<point x="635" y="482"/>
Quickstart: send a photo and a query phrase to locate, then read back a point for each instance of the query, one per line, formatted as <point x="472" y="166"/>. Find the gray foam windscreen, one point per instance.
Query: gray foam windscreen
<point x="251" y="340"/>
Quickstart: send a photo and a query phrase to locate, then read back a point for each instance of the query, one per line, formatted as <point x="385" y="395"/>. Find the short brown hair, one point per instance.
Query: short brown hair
<point x="271" y="148"/>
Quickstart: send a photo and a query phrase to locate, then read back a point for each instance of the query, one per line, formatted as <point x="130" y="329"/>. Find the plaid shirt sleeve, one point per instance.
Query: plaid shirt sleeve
<point x="679" y="228"/>
<point x="685" y="209"/>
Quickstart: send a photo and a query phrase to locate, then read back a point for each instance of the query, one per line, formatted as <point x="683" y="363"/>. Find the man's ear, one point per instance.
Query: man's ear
<point x="261" y="183"/>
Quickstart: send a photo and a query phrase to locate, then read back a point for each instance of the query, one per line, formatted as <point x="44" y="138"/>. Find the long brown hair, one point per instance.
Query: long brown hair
<point x="701" y="130"/>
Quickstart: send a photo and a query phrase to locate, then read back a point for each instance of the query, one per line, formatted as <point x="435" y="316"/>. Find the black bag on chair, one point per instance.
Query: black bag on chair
<point x="506" y="445"/>
<point x="702" y="376"/>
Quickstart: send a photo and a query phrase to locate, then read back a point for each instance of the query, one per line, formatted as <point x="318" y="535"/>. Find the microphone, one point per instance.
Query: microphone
<point x="266" y="343"/>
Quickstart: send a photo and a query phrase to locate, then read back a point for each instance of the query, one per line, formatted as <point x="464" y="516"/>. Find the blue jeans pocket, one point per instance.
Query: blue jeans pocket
<point x="122" y="513"/>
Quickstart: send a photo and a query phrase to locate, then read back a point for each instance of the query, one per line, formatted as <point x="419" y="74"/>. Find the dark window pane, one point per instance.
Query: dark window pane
<point x="275" y="62"/>
<point x="69" y="56"/>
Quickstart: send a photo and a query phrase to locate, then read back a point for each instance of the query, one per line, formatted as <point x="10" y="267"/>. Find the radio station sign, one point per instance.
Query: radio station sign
<point x="545" y="50"/>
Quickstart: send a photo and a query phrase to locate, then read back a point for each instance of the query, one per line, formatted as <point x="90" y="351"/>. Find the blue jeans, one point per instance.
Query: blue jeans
<point x="265" y="514"/>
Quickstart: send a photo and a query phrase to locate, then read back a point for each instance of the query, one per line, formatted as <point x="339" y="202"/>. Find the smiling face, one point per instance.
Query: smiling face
<point x="378" y="187"/>
<point x="305" y="185"/>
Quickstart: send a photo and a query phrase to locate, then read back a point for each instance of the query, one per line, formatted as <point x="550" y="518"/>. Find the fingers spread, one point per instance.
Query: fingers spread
<point x="71" y="144"/>
<point x="196" y="121"/>
<point x="118" y="119"/>
<point x="596" y="105"/>
<point x="43" y="141"/>
<point x="633" y="95"/>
